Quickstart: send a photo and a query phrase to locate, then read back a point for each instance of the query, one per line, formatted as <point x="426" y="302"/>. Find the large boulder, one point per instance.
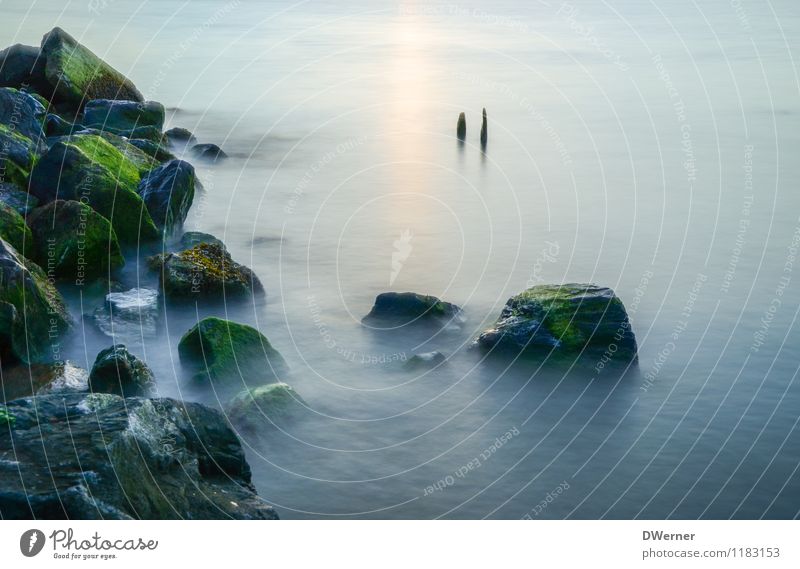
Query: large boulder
<point x="39" y="379"/>
<point x="119" y="372"/>
<point x="219" y="350"/>
<point x="78" y="75"/>
<point x="204" y="272"/>
<point x="258" y="408"/>
<point x="123" y="116"/>
<point x="393" y="309"/>
<point x="13" y="228"/>
<point x="75" y="241"/>
<point x="168" y="192"/>
<point x="115" y="458"/>
<point x="88" y="168"/>
<point x="33" y="314"/>
<point x="563" y="322"/>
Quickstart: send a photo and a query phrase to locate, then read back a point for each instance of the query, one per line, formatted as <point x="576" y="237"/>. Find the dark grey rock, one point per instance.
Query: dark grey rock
<point x="392" y="309"/>
<point x="208" y="152"/>
<point x="119" y="372"/>
<point x="168" y="192"/>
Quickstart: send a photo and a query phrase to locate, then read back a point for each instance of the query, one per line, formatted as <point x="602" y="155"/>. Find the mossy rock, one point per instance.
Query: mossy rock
<point x="204" y="272"/>
<point x="78" y="75"/>
<point x="119" y="372"/>
<point x="168" y="192"/>
<point x="17" y="157"/>
<point x="90" y="169"/>
<point x="192" y="238"/>
<point x="13" y="228"/>
<point x="218" y="350"/>
<point x="154" y="150"/>
<point x="180" y="137"/>
<point x="258" y="408"/>
<point x="6" y="418"/>
<point x="108" y="114"/>
<point x="33" y="315"/>
<point x="74" y="241"/>
<point x="567" y="321"/>
<point x="22" y="113"/>
<point x="394" y="309"/>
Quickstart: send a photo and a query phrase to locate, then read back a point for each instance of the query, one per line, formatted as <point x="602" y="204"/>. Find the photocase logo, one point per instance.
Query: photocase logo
<point x="31" y="542"/>
<point x="402" y="250"/>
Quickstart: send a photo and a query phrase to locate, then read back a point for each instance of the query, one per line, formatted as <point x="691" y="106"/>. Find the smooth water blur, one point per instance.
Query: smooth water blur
<point x="646" y="147"/>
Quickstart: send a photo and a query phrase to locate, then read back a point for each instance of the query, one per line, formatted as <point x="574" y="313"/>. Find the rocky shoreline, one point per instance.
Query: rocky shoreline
<point x="88" y="174"/>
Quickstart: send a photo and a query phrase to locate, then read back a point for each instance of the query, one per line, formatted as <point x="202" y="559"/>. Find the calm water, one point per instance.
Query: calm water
<point x="634" y="145"/>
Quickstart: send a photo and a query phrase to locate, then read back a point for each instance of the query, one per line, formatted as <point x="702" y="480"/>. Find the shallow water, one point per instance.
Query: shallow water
<point x="649" y="148"/>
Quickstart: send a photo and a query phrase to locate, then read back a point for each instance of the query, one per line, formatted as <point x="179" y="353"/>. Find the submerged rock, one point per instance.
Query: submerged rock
<point x="123" y="458"/>
<point x="180" y="137"/>
<point x="425" y="361"/>
<point x="14" y="196"/>
<point x="119" y="372"/>
<point x="461" y="127"/>
<point x="168" y="192"/>
<point x="209" y="152"/>
<point x="484" y="130"/>
<point x="39" y="379"/>
<point x="88" y="168"/>
<point x="33" y="314"/>
<point x="74" y="241"/>
<point x="221" y="350"/>
<point x="78" y="75"/>
<point x="392" y="309"/>
<point x="206" y="271"/>
<point x="13" y="228"/>
<point x="123" y="116"/>
<point x="563" y="321"/>
<point x="257" y="408"/>
<point x="129" y="314"/>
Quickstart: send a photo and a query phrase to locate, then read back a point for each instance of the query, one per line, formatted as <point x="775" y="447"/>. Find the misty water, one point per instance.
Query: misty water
<point x="646" y="147"/>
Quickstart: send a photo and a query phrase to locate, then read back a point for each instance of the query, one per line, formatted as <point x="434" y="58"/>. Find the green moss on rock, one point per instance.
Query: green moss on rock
<point x="75" y="241"/>
<point x="221" y="350"/>
<point x="78" y="75"/>
<point x="13" y="228"/>
<point x="257" y="408"/>
<point x="90" y="169"/>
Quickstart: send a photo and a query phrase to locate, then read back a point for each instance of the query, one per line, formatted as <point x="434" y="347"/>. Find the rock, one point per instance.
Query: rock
<point x="14" y="196"/>
<point x="192" y="238"/>
<point x="7" y="420"/>
<point x="206" y="271"/>
<point x="119" y="372"/>
<point x="461" y="127"/>
<point x="123" y="458"/>
<point x="21" y="67"/>
<point x="180" y="137"/>
<point x="484" y="130"/>
<point x="136" y="155"/>
<point x="258" y="408"/>
<point x="393" y="309"/>
<point x="120" y="116"/>
<point x="33" y="315"/>
<point x="425" y="361"/>
<point x="78" y="75"/>
<point x="22" y="113"/>
<point x="21" y="135"/>
<point x="168" y="192"/>
<point x="563" y="322"/>
<point x="13" y="228"/>
<point x="74" y="241"/>
<point x="155" y="151"/>
<point x="55" y="126"/>
<point x="39" y="379"/>
<point x="209" y="152"/>
<point x="128" y="314"/>
<point x="89" y="169"/>
<point x="220" y="350"/>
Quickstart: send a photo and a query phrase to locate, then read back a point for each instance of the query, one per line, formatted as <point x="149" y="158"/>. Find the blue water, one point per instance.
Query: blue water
<point x="649" y="147"/>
